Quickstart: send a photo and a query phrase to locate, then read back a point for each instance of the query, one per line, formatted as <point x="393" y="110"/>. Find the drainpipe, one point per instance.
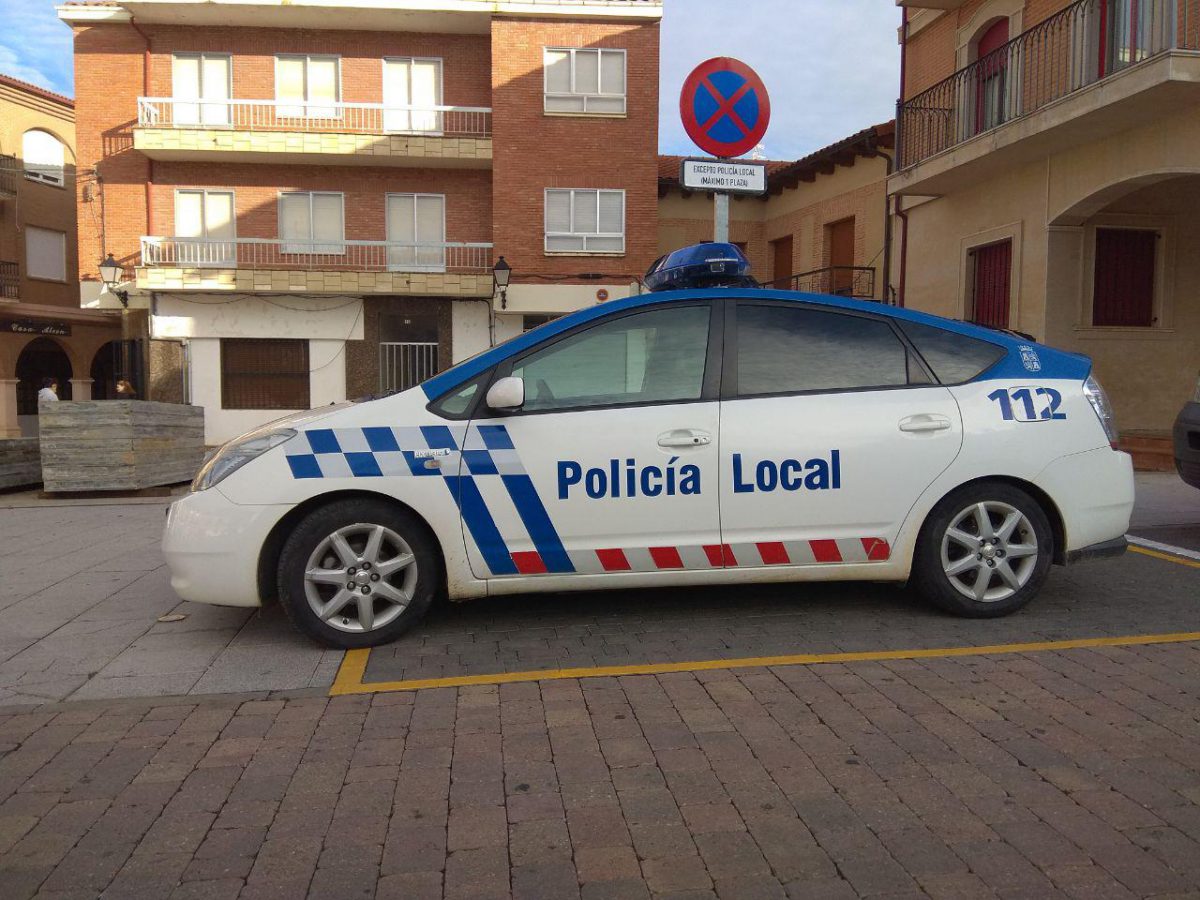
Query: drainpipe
<point x="890" y="162"/>
<point x="900" y="213"/>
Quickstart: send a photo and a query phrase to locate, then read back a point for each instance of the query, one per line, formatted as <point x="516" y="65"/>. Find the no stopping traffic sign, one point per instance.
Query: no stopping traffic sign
<point x="725" y="107"/>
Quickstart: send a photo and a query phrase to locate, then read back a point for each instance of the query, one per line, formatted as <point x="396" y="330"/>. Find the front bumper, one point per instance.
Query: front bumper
<point x="212" y="547"/>
<point x="1187" y="444"/>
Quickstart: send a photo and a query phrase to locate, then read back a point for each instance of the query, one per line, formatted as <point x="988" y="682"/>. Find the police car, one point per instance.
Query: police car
<point x="718" y="434"/>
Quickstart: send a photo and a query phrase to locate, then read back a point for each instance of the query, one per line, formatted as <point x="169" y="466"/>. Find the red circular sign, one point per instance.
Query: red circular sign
<point x="725" y="107"/>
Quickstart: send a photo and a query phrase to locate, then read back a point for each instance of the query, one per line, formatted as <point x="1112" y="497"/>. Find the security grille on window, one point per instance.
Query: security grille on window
<point x="585" y="81"/>
<point x="585" y="221"/>
<point x="45" y="254"/>
<point x="312" y="223"/>
<point x="264" y="374"/>
<point x="308" y="86"/>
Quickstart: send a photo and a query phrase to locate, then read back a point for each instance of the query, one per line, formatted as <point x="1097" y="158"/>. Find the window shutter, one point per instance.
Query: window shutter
<point x="294" y="222"/>
<point x="992" y="282"/>
<point x="264" y="374"/>
<point x="430" y="220"/>
<point x="587" y="71"/>
<point x="612" y="212"/>
<point x="612" y="72"/>
<point x="586" y="215"/>
<point x="328" y="224"/>
<point x="45" y="254"/>
<point x="218" y="215"/>
<point x="558" y="211"/>
<point x="189" y="214"/>
<point x="558" y="71"/>
<point x="322" y="84"/>
<point x="426" y="94"/>
<point x="1123" y="292"/>
<point x="289" y="84"/>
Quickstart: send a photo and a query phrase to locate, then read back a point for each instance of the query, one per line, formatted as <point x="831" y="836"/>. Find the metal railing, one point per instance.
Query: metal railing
<point x="405" y="365"/>
<point x="340" y="256"/>
<point x="322" y="117"/>
<point x="1086" y="42"/>
<point x="843" y="281"/>
<point x="10" y="169"/>
<point x="10" y="281"/>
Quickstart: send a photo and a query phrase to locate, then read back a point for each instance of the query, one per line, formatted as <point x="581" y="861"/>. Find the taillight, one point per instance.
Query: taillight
<point x="1103" y="409"/>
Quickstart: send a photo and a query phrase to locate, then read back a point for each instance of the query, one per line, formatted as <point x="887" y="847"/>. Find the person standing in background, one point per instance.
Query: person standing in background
<point x="49" y="391"/>
<point x="125" y="390"/>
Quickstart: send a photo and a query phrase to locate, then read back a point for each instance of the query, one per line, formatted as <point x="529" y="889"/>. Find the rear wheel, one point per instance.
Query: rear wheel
<point x="358" y="573"/>
<point x="985" y="551"/>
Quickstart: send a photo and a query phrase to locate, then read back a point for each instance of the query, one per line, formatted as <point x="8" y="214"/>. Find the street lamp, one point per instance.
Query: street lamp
<point x="111" y="273"/>
<point x="501" y="277"/>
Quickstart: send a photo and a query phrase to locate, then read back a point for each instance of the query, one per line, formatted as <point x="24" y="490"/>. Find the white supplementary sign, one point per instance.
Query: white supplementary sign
<point x="730" y="177"/>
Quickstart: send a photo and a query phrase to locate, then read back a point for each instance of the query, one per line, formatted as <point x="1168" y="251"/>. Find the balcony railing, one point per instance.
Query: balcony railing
<point x="320" y="117"/>
<point x="312" y="256"/>
<point x="10" y="170"/>
<point x="1086" y="42"/>
<point x="10" y="281"/>
<point x="844" y="281"/>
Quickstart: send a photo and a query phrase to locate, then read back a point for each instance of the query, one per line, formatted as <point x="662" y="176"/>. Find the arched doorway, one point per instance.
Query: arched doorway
<point x="106" y="369"/>
<point x="41" y="358"/>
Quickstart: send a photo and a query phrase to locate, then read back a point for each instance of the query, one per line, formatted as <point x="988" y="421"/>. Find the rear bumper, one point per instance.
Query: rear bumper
<point x="1103" y="550"/>
<point x="1187" y="444"/>
<point x="1094" y="495"/>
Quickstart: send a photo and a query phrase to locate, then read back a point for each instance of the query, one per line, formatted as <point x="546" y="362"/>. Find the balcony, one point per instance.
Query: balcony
<point x="334" y="267"/>
<point x="10" y="171"/>
<point x="1094" y="68"/>
<point x="10" y="281"/>
<point x="269" y="131"/>
<point x="842" y="281"/>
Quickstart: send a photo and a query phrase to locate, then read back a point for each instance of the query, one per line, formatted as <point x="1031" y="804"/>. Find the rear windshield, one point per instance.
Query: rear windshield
<point x="954" y="358"/>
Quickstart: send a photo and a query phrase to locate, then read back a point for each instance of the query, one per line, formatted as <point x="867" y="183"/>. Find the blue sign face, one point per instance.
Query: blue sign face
<point x="725" y="107"/>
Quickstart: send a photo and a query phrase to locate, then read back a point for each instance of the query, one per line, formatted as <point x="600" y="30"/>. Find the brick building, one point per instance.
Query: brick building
<point x="310" y="198"/>
<point x="822" y="226"/>
<point x="43" y="332"/>
<point x="1048" y="181"/>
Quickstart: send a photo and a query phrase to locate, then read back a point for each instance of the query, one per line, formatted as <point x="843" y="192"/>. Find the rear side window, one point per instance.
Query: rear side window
<point x="954" y="358"/>
<point x="791" y="349"/>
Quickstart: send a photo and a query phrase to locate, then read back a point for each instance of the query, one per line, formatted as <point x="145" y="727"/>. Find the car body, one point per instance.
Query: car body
<point x="1187" y="441"/>
<point x="716" y="436"/>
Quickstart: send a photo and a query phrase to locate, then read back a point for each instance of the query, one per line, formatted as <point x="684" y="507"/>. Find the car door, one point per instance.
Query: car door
<point x="831" y="427"/>
<point x="611" y="464"/>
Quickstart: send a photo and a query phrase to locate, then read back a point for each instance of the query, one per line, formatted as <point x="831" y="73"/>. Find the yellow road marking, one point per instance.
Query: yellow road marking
<point x="349" y="678"/>
<point x="1169" y="557"/>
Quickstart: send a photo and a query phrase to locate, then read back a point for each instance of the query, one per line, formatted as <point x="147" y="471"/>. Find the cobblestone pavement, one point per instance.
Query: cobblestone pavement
<point x="1055" y="774"/>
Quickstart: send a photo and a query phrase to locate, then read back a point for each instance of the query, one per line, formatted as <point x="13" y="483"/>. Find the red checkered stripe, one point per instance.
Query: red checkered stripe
<point x="716" y="556"/>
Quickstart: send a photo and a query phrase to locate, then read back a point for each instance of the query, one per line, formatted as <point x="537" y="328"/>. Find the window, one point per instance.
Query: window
<point x="417" y="222"/>
<point x="412" y="88"/>
<point x="585" y="221"/>
<point x="44" y="156"/>
<point x="649" y="357"/>
<point x="790" y="349"/>
<point x="264" y="374"/>
<point x="207" y="218"/>
<point x="1123" y="284"/>
<point x="991" y="280"/>
<point x="201" y="77"/>
<point x="308" y="86"/>
<point x="45" y="254"/>
<point x="954" y="358"/>
<point x="585" y="81"/>
<point x="311" y="222"/>
<point x="528" y="323"/>
<point x="992" y="77"/>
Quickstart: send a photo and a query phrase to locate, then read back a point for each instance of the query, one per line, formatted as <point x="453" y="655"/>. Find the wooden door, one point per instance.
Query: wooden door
<point x="841" y="257"/>
<point x="781" y="261"/>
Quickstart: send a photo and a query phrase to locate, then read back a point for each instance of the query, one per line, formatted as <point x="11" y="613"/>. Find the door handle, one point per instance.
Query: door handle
<point x="924" y="422"/>
<point x="684" y="437"/>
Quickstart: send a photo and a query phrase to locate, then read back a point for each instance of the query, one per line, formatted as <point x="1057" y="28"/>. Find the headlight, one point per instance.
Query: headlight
<point x="1104" y="412"/>
<point x="232" y="456"/>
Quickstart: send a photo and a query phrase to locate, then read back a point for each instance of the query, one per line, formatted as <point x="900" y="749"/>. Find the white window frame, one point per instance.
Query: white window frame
<point x="51" y="175"/>
<point x="403" y="267"/>
<point x="439" y="116"/>
<point x="284" y="245"/>
<point x="205" y="260"/>
<point x="585" y="235"/>
<point x="308" y="104"/>
<point x="201" y="103"/>
<point x="585" y="97"/>
<point x="29" y="269"/>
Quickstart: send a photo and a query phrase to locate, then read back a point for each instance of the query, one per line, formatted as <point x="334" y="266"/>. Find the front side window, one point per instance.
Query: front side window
<point x="795" y="349"/>
<point x="312" y="222"/>
<point x="656" y="356"/>
<point x="45" y="254"/>
<point x="585" y="221"/>
<point x="308" y="86"/>
<point x="264" y="374"/>
<point x="44" y="156"/>
<point x="585" y="81"/>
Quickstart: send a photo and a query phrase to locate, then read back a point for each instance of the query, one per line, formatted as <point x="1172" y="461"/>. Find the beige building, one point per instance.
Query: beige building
<point x="43" y="332"/>
<point x="822" y="225"/>
<point x="1048" y="181"/>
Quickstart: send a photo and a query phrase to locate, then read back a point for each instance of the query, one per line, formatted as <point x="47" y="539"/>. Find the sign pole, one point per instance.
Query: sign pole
<point x="721" y="225"/>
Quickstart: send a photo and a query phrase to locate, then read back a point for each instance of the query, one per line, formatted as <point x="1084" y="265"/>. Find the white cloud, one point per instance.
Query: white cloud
<point x="832" y="67"/>
<point x="35" y="46"/>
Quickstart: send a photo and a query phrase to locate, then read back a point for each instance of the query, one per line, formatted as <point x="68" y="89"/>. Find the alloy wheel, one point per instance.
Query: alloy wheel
<point x="360" y="578"/>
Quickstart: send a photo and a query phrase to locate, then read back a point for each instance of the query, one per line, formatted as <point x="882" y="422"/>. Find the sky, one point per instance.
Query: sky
<point x="830" y="66"/>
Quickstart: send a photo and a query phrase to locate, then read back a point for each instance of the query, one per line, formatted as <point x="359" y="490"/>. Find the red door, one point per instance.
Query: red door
<point x="991" y="285"/>
<point x="991" y="78"/>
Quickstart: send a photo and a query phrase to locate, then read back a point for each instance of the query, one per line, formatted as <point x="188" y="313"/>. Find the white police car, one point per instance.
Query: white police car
<point x="705" y="436"/>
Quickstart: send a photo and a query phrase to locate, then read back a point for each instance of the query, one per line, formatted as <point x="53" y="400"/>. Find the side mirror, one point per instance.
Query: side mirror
<point x="506" y="395"/>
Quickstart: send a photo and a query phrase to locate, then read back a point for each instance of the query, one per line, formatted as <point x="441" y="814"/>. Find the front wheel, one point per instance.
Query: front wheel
<point x="358" y="573"/>
<point x="985" y="551"/>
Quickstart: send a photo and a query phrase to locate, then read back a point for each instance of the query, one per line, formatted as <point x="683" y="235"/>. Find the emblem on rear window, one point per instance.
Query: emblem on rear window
<point x="1029" y="359"/>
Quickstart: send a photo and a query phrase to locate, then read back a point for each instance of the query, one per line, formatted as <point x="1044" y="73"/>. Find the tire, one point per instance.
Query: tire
<point x="329" y="565"/>
<point x="953" y="551"/>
